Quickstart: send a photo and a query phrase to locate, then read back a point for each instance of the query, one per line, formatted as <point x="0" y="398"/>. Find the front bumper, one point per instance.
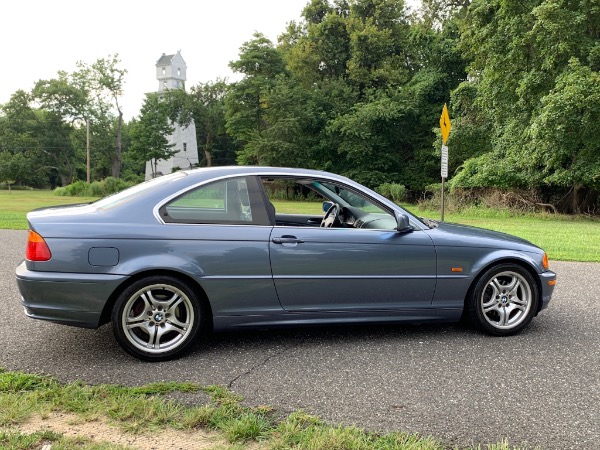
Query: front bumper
<point x="548" y="281"/>
<point x="76" y="299"/>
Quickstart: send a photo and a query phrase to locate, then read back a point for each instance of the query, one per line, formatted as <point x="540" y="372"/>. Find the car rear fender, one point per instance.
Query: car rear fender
<point x="186" y="278"/>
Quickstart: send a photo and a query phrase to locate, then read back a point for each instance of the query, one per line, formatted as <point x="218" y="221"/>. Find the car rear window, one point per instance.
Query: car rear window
<point x="123" y="196"/>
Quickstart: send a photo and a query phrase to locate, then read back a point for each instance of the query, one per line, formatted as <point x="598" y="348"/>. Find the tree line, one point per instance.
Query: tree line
<point x="356" y="87"/>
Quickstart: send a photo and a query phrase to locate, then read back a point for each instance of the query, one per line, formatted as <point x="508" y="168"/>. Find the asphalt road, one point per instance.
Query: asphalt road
<point x="541" y="388"/>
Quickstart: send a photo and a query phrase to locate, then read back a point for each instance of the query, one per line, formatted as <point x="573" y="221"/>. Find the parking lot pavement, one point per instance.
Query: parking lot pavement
<point x="541" y="388"/>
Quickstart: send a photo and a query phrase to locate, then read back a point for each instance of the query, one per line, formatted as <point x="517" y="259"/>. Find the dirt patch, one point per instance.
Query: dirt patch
<point x="100" y="431"/>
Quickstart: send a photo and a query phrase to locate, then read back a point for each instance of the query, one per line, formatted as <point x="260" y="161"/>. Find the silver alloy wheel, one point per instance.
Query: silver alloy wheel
<point x="158" y="318"/>
<point x="506" y="300"/>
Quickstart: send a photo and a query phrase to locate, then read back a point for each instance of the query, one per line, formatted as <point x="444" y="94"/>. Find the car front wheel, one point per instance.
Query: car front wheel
<point x="157" y="318"/>
<point x="504" y="300"/>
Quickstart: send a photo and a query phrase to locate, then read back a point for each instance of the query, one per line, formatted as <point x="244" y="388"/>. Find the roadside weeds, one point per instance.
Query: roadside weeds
<point x="37" y="412"/>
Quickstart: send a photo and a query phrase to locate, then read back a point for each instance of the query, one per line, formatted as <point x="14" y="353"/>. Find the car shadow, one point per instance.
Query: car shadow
<point x="337" y="334"/>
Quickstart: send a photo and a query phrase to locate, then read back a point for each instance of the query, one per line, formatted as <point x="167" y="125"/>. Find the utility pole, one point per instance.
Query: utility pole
<point x="87" y="148"/>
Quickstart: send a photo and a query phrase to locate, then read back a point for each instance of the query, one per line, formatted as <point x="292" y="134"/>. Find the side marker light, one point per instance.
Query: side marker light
<point x="545" y="262"/>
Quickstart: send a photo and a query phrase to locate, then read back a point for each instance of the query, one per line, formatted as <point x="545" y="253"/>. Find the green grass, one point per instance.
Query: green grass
<point x="143" y="409"/>
<point x="565" y="238"/>
<point x="14" y="205"/>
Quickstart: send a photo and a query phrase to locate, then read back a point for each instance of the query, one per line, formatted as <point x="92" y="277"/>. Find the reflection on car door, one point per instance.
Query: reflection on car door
<point x="344" y="269"/>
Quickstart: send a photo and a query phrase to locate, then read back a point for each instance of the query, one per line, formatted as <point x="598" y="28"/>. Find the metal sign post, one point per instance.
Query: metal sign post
<point x="444" y="173"/>
<point x="445" y="126"/>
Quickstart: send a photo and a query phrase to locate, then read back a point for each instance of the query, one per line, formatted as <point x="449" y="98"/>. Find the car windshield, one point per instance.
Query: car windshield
<point x="334" y="191"/>
<point x="351" y="198"/>
<point x="123" y="196"/>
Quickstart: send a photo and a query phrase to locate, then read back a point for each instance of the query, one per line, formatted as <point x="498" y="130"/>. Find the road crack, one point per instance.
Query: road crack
<point x="259" y="365"/>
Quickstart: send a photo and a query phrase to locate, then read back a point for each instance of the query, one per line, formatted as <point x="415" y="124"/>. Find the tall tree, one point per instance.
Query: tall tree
<point x="395" y="74"/>
<point x="36" y="140"/>
<point x="259" y="62"/>
<point x="523" y="54"/>
<point x="67" y="96"/>
<point x="205" y="106"/>
<point x="107" y="82"/>
<point x="149" y="135"/>
<point x="565" y="136"/>
<point x="436" y="13"/>
<point x="378" y="32"/>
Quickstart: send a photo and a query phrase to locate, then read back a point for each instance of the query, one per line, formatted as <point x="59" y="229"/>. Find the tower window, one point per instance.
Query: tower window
<point x="185" y="147"/>
<point x="164" y="70"/>
<point x="178" y="72"/>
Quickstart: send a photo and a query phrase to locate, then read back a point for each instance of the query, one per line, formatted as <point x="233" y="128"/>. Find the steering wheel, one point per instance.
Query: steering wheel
<point x="331" y="217"/>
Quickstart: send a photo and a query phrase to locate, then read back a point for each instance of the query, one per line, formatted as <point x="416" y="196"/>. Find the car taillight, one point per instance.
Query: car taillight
<point x="37" y="249"/>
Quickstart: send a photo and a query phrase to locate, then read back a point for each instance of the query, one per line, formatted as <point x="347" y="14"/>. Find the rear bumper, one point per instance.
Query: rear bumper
<point x="76" y="299"/>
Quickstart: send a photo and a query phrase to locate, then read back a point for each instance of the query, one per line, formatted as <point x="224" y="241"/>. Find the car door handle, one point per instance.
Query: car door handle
<point x="286" y="239"/>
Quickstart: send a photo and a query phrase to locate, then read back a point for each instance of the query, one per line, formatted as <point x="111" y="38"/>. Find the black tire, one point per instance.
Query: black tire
<point x="504" y="300"/>
<point x="164" y="315"/>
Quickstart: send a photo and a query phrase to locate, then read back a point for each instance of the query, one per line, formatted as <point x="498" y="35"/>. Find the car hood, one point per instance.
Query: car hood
<point x="450" y="234"/>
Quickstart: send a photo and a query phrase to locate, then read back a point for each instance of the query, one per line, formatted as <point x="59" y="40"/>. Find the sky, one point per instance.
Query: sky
<point x="40" y="37"/>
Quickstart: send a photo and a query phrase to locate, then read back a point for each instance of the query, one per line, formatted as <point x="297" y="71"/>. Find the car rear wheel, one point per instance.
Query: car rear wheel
<point x="504" y="300"/>
<point x="157" y="318"/>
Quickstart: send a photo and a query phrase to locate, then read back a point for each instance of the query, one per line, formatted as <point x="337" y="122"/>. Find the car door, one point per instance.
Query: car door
<point x="220" y="232"/>
<point x="329" y="269"/>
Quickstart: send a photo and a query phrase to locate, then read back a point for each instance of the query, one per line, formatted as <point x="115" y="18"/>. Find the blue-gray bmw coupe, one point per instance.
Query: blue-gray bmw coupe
<point x="206" y="249"/>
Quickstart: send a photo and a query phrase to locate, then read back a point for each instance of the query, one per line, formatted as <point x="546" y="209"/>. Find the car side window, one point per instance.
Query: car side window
<point x="225" y="201"/>
<point x="304" y="201"/>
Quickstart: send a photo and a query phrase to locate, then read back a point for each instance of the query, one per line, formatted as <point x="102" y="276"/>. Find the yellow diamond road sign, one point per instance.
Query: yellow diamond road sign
<point x="445" y="124"/>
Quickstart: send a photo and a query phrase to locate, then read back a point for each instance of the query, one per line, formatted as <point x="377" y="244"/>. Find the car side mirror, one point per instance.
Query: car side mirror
<point x="327" y="206"/>
<point x="402" y="223"/>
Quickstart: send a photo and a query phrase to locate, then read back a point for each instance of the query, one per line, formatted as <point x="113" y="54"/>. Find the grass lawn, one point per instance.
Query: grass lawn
<point x="565" y="238"/>
<point x="14" y="205"/>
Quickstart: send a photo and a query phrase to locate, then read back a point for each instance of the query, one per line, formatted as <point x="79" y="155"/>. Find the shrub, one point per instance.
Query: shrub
<point x="95" y="189"/>
<point x="394" y="191"/>
<point x="62" y="191"/>
<point x="457" y="200"/>
<point x="112" y="185"/>
<point x="78" y="188"/>
<point x="102" y="188"/>
<point x="289" y="190"/>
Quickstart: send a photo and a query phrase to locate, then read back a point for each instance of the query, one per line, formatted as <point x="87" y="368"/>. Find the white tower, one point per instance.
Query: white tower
<point x="171" y="74"/>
